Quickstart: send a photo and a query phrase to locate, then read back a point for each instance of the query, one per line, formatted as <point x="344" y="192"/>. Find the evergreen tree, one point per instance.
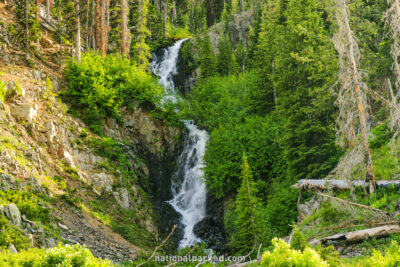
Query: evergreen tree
<point x="28" y="24"/>
<point x="234" y="67"/>
<point x="224" y="54"/>
<point x="207" y="57"/>
<point x="247" y="208"/>
<point x="141" y="50"/>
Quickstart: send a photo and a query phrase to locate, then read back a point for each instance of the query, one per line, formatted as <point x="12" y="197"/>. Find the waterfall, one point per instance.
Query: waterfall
<point x="188" y="188"/>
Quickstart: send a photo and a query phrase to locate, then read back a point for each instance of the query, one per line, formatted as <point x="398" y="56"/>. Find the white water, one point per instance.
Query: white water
<point x="165" y="69"/>
<point x="188" y="188"/>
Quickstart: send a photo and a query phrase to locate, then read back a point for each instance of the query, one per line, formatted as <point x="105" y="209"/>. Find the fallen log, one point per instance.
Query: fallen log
<point x="315" y="184"/>
<point x="360" y="235"/>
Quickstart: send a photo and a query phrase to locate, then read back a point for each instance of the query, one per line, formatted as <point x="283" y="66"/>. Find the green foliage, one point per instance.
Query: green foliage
<point x="298" y="242"/>
<point x="391" y="257"/>
<point x="10" y="234"/>
<point x="3" y="91"/>
<point x="247" y="207"/>
<point x="99" y="87"/>
<point x="28" y="25"/>
<point x="207" y="57"/>
<point x="140" y="49"/>
<point x="280" y="211"/>
<point x="283" y="255"/>
<point x="27" y="203"/>
<point x="68" y="256"/>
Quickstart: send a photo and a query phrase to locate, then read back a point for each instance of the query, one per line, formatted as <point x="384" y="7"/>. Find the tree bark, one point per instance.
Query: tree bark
<point x="165" y="16"/>
<point x="124" y="28"/>
<point x="103" y="28"/>
<point x="174" y="10"/>
<point x="78" y="31"/>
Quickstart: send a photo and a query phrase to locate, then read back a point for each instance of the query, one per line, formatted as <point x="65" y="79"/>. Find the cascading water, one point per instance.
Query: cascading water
<point x="188" y="188"/>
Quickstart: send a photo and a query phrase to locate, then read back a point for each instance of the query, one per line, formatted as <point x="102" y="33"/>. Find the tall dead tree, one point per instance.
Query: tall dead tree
<point x="351" y="97"/>
<point x="124" y="28"/>
<point x="392" y="20"/>
<point x="78" y="30"/>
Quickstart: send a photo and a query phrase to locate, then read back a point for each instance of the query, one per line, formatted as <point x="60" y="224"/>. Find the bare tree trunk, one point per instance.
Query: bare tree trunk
<point x="93" y="31"/>
<point x="87" y="34"/>
<point x="48" y="7"/>
<point x="174" y="10"/>
<point x="165" y="16"/>
<point x="242" y="5"/>
<point x="103" y="28"/>
<point x="352" y="79"/>
<point x="124" y="28"/>
<point x="78" y="31"/>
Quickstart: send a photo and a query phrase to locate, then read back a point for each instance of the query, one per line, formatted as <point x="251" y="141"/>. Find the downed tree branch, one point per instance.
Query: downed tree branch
<point x="158" y="247"/>
<point x="249" y="262"/>
<point x="360" y="235"/>
<point x="354" y="204"/>
<point x="187" y="254"/>
<point x="329" y="229"/>
<point x="316" y="184"/>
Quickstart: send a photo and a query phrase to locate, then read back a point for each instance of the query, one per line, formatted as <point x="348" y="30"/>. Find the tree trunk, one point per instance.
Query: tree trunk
<point x="165" y="16"/>
<point x="241" y="5"/>
<point x="370" y="177"/>
<point x="78" y="31"/>
<point x="174" y="11"/>
<point x="124" y="28"/>
<point x="48" y="7"/>
<point x="103" y="28"/>
<point x="87" y="34"/>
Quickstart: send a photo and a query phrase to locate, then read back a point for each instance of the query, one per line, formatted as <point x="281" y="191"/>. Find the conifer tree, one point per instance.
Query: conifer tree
<point x="207" y="57"/>
<point x="247" y="207"/>
<point x="141" y="50"/>
<point x="224" y="54"/>
<point x="234" y="67"/>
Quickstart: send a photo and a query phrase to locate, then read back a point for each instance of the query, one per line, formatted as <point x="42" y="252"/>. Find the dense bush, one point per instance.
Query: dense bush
<point x="100" y="87"/>
<point x="66" y="256"/>
<point x="27" y="203"/>
<point x="283" y="255"/>
<point x="391" y="257"/>
<point x="10" y="234"/>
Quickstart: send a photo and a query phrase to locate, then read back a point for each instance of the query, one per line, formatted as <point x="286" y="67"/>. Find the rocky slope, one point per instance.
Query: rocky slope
<point x="45" y="151"/>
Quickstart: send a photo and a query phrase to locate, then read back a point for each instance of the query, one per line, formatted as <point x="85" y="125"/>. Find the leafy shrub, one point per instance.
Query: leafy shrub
<point x="283" y="255"/>
<point x="10" y="234"/>
<point x="391" y="257"/>
<point x="298" y="241"/>
<point x="27" y="203"/>
<point x="3" y="91"/>
<point x="99" y="87"/>
<point x="66" y="256"/>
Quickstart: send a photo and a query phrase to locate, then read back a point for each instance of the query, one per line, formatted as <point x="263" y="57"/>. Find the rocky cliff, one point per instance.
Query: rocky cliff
<point x="97" y="191"/>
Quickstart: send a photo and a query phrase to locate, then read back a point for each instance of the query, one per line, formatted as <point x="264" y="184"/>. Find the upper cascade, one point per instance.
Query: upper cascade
<point x="188" y="188"/>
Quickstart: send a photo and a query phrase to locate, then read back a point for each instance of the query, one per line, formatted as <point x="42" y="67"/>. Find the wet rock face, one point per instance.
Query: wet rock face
<point x="188" y="69"/>
<point x="211" y="229"/>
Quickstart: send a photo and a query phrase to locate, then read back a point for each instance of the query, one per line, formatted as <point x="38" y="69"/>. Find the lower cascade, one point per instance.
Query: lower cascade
<point x="188" y="188"/>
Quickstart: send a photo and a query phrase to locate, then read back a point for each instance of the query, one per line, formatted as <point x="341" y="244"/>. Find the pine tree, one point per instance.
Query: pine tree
<point x="207" y="57"/>
<point x="247" y="207"/>
<point x="234" y="67"/>
<point x="141" y="50"/>
<point x="224" y="54"/>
